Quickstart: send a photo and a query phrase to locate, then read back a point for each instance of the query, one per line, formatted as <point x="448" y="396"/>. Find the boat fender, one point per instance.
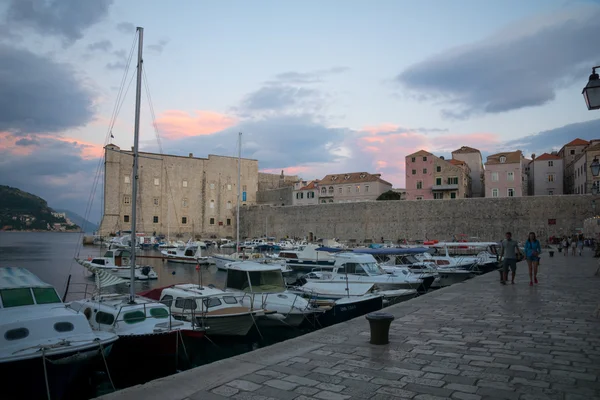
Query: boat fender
<point x="89" y="258"/>
<point x="276" y="317"/>
<point x="146" y="270"/>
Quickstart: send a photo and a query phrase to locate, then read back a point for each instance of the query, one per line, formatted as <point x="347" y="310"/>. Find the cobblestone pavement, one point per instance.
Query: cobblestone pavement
<point x="475" y="340"/>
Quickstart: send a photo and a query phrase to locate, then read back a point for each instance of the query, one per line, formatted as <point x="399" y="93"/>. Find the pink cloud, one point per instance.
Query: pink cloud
<point x="381" y="128"/>
<point x="176" y="124"/>
<point x="88" y="150"/>
<point x="9" y="142"/>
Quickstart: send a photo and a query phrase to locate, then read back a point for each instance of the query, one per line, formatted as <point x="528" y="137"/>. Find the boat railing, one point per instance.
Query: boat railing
<point x="123" y="308"/>
<point x="83" y="291"/>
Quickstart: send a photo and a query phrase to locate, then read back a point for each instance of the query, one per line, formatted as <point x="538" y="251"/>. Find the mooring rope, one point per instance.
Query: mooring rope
<point x="46" y="374"/>
<point x="106" y="366"/>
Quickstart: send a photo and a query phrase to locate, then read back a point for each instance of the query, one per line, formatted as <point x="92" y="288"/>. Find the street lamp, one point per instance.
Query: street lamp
<point x="595" y="167"/>
<point x="591" y="92"/>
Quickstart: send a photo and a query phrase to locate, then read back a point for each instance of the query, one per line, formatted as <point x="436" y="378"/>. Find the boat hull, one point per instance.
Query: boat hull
<point x="238" y="325"/>
<point x="66" y="375"/>
<point x="346" y="311"/>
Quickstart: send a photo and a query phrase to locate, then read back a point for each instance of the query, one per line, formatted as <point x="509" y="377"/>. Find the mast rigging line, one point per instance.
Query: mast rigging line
<point x="160" y="148"/>
<point x="116" y="109"/>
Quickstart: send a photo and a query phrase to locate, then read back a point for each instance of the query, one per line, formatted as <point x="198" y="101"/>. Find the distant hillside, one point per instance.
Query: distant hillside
<point x="79" y="220"/>
<point x="24" y="211"/>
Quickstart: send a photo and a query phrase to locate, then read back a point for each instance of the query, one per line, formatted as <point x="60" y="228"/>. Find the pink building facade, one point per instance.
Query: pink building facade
<point x="419" y="175"/>
<point x="505" y="175"/>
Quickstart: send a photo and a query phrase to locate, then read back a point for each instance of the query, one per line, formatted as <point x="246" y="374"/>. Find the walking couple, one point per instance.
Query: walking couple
<point x="510" y="253"/>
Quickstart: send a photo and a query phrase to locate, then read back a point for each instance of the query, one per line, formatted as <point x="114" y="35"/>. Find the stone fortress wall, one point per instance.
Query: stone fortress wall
<point x="485" y="218"/>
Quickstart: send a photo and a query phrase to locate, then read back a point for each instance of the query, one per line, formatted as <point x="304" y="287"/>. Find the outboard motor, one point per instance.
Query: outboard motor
<point x="146" y="270"/>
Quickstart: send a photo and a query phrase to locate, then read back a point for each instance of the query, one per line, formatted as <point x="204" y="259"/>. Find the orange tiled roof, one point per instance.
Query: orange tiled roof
<point x="547" y="157"/>
<point x="352" y="177"/>
<point x="466" y="149"/>
<point x="419" y="153"/>
<point x="577" y="142"/>
<point x="512" y="157"/>
<point x="456" y="162"/>
<point x="310" y="186"/>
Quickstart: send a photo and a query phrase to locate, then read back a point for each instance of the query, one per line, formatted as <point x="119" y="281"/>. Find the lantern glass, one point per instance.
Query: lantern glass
<point x="595" y="167"/>
<point x="591" y="94"/>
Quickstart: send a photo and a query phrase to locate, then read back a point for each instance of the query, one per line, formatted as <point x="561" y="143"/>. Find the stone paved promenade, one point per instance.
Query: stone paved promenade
<point x="475" y="340"/>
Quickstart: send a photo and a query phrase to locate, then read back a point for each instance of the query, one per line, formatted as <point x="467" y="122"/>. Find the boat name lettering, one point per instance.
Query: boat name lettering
<point x="347" y="308"/>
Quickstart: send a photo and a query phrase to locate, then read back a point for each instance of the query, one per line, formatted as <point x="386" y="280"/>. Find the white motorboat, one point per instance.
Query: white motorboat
<point x="363" y="268"/>
<point x="41" y="339"/>
<point x="339" y="290"/>
<point x="266" y="290"/>
<point x="223" y="312"/>
<point x="478" y="257"/>
<point x="190" y="254"/>
<point x="308" y="257"/>
<point x="118" y="263"/>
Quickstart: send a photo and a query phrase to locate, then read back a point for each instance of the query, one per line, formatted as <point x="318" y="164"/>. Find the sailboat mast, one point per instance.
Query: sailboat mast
<point x="239" y="178"/>
<point x="136" y="139"/>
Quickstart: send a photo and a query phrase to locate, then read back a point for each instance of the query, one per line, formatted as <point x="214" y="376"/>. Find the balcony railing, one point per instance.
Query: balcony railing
<point x="453" y="186"/>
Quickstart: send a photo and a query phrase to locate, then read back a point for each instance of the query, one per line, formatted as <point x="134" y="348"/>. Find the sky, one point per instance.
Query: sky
<point x="315" y="87"/>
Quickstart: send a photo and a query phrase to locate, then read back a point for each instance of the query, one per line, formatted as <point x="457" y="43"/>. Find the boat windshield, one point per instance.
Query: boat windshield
<point x="256" y="281"/>
<point x="372" y="268"/>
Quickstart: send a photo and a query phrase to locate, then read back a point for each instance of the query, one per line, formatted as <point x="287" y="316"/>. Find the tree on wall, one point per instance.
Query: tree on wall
<point x="389" y="195"/>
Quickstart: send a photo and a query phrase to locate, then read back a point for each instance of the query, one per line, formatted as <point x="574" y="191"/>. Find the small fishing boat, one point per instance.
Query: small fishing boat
<point x="118" y="263"/>
<point x="261" y="286"/>
<point x="221" y="311"/>
<point x="41" y="340"/>
<point x="190" y="254"/>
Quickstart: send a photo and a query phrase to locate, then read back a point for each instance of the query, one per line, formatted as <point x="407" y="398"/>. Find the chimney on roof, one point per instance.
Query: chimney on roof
<point x="533" y="156"/>
<point x="191" y="155"/>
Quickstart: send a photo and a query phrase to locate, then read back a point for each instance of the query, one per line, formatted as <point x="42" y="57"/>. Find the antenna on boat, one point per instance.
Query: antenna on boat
<point x="136" y="139"/>
<point x="239" y="178"/>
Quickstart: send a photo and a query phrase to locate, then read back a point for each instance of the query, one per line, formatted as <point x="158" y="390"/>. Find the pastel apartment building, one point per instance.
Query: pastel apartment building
<point x="569" y="152"/>
<point x="340" y="188"/>
<point x="545" y="175"/>
<point x="429" y="177"/>
<point x="505" y="175"/>
<point x="472" y="157"/>
<point x="581" y="174"/>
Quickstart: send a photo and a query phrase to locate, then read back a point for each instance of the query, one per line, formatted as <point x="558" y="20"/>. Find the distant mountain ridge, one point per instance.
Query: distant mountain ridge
<point x="21" y="210"/>
<point x="86" y="225"/>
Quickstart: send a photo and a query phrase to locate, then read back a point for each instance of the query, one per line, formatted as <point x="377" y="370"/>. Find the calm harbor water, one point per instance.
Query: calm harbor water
<point x="51" y="257"/>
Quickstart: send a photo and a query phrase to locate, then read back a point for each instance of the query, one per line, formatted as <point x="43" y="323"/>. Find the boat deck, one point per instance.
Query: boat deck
<point x="473" y="340"/>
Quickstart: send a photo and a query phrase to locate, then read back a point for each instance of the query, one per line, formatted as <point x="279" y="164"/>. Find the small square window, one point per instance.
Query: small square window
<point x="438" y="196"/>
<point x="424" y="170"/>
<point x="156" y="181"/>
<point x="126" y="179"/>
<point x="184" y="220"/>
<point x="494" y="192"/>
<point x="419" y="184"/>
<point x="228" y="221"/>
<point x="156" y="201"/>
<point x="184" y="184"/>
<point x="366" y="188"/>
<point x="229" y="186"/>
<point x="348" y="189"/>
<point x="125" y="218"/>
<point x="452" y="195"/>
<point x="572" y="152"/>
<point x="212" y="185"/>
<point x="438" y="168"/>
<point x="184" y="203"/>
<point x="438" y="181"/>
<point x="413" y="159"/>
<point x="126" y="199"/>
<point x="212" y="221"/>
<point x="511" y="192"/>
<point x="340" y="190"/>
<point x="424" y="158"/>
<point x="414" y="171"/>
<point x="510" y="176"/>
<point x="551" y="163"/>
<point x="155" y="219"/>
<point x="495" y="177"/>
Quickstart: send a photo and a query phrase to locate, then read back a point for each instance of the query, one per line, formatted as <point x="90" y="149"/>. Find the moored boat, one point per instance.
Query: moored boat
<point x="41" y="339"/>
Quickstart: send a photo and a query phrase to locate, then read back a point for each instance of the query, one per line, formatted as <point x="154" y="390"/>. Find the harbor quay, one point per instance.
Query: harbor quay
<point x="473" y="340"/>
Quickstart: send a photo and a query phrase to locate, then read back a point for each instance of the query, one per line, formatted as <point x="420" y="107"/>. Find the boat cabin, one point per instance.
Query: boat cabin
<point x="252" y="277"/>
<point x="190" y="298"/>
<point x="357" y="264"/>
<point x="19" y="287"/>
<point x="114" y="257"/>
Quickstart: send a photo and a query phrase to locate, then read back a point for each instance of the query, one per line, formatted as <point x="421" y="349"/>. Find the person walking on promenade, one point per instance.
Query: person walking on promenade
<point x="580" y="245"/>
<point x="508" y="255"/>
<point x="532" y="252"/>
<point x="573" y="244"/>
<point x="565" y="245"/>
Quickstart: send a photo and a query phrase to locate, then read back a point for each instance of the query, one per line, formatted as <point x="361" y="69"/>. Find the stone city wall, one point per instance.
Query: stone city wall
<point x="275" y="197"/>
<point x="484" y="218"/>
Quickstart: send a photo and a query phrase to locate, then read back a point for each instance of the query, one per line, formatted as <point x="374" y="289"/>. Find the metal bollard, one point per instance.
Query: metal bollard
<point x="379" y="323"/>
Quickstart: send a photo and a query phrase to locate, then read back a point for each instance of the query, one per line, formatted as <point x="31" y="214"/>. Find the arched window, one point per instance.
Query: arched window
<point x="330" y="189"/>
<point x="323" y="190"/>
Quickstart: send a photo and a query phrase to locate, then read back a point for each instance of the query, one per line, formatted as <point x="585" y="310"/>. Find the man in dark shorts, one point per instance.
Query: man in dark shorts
<point x="508" y="255"/>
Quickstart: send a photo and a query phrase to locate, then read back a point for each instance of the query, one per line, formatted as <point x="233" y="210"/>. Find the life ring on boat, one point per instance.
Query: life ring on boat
<point x="89" y="258"/>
